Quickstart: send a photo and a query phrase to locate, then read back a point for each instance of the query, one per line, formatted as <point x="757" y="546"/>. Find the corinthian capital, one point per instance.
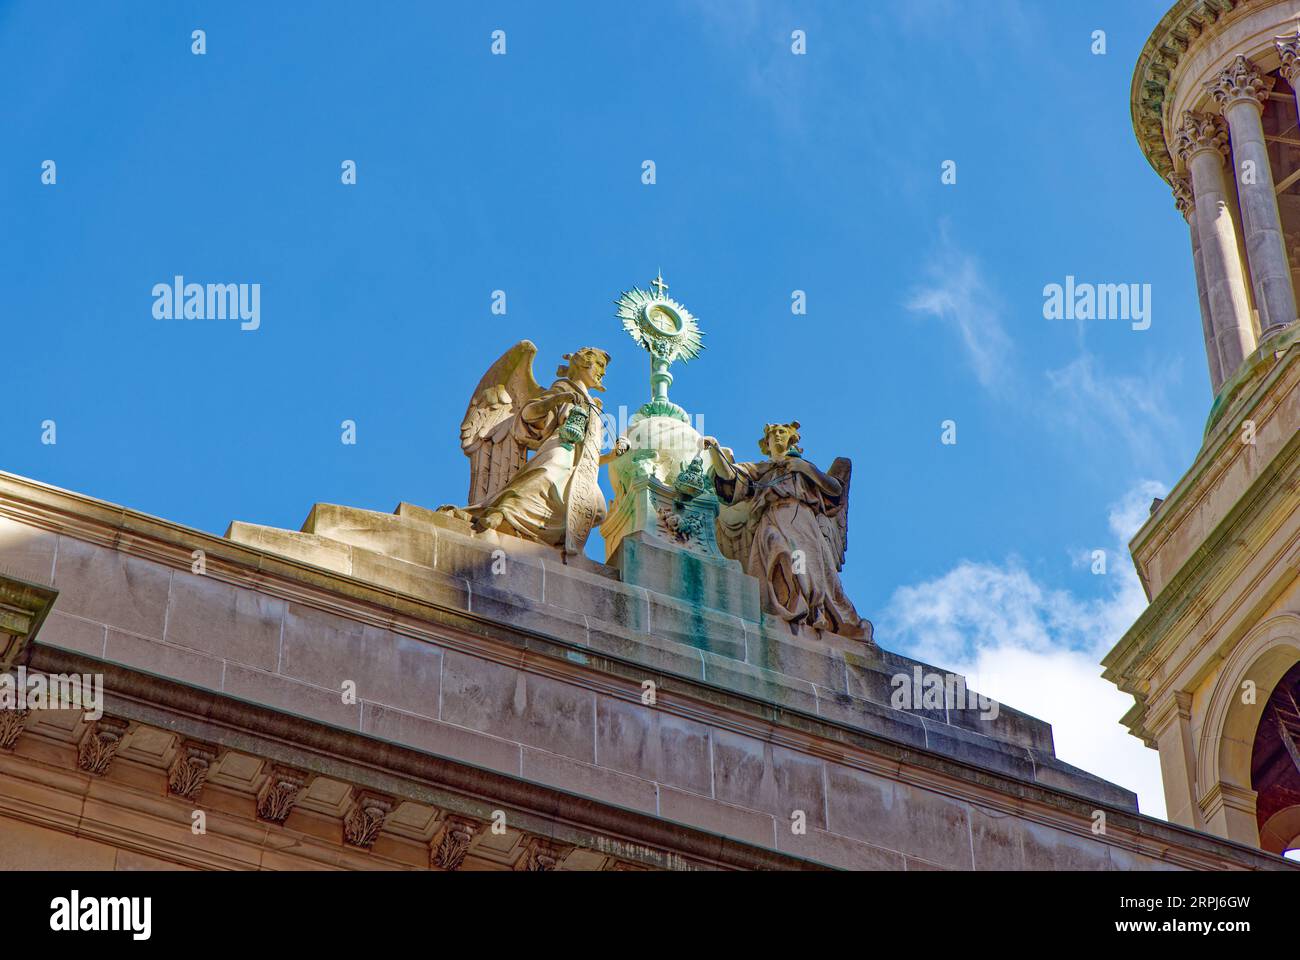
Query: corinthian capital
<point x="1183" y="198"/>
<point x="1240" y="80"/>
<point x="1288" y="48"/>
<point x="1200" y="131"/>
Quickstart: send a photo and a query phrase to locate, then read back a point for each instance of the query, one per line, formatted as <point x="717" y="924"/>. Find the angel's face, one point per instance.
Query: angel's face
<point x="778" y="439"/>
<point x="588" y="369"/>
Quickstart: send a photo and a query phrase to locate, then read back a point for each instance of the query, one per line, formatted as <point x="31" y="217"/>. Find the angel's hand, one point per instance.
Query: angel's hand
<point x="621" y="446"/>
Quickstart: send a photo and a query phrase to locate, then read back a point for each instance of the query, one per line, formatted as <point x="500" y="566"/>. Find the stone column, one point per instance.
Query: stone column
<point x="1186" y="203"/>
<point x="1201" y="145"/>
<point x="1240" y="92"/>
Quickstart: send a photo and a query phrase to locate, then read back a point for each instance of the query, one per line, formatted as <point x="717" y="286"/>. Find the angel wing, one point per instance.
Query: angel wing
<point x="835" y="521"/>
<point x="495" y="454"/>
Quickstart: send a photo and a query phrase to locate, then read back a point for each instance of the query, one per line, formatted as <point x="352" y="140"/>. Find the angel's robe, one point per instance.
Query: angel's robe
<point x="769" y="521"/>
<point x="555" y="498"/>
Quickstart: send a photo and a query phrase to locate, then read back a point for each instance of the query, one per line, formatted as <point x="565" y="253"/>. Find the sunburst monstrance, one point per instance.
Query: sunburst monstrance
<point x="667" y="331"/>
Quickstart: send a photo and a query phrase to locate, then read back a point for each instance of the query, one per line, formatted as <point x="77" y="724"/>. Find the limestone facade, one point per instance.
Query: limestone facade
<point x="595" y="724"/>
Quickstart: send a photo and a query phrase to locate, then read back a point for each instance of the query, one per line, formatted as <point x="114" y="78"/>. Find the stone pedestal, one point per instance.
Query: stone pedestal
<point x="660" y="533"/>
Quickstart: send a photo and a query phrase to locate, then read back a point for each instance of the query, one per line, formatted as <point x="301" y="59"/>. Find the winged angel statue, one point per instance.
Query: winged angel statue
<point x="787" y="523"/>
<point x="552" y="497"/>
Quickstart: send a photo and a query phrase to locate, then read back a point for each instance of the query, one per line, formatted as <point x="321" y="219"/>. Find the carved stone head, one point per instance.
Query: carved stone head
<point x="779" y="438"/>
<point x="587" y="366"/>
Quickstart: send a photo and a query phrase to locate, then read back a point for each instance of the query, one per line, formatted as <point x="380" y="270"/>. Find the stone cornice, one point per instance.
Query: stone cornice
<point x="570" y="819"/>
<point x="1181" y="27"/>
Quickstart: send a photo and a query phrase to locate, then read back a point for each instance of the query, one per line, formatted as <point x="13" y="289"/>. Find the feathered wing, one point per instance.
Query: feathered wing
<point x="495" y="454"/>
<point x="835" y="521"/>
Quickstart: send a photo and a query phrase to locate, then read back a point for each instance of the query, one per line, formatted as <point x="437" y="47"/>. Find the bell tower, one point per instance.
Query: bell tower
<point x="1213" y="663"/>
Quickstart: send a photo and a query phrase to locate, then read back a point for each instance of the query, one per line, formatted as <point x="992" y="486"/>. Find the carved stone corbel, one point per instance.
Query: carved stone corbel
<point x="280" y="792"/>
<point x="448" y="851"/>
<point x="189" y="771"/>
<point x="363" y="822"/>
<point x="99" y="745"/>
<point x="12" y="724"/>
<point x="541" y="855"/>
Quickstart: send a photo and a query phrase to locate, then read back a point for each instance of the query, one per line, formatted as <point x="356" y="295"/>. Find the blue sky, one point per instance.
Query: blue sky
<point x="522" y="172"/>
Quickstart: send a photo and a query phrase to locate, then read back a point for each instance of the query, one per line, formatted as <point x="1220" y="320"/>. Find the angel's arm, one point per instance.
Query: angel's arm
<point x="722" y="465"/>
<point x="621" y="446"/>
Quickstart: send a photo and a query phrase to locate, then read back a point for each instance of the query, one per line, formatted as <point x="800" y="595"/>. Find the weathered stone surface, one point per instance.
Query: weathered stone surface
<point x="655" y="653"/>
<point x="74" y="633"/>
<point x="776" y="687"/>
<point x="291" y="696"/>
<point x="388" y="668"/>
<point x="1046" y="848"/>
<point x="597" y="598"/>
<point x="717" y="584"/>
<point x="381" y="533"/>
<point x="716" y="633"/>
<point x="221" y="620"/>
<point x="557" y="622"/>
<point x="722" y="818"/>
<point x="762" y="776"/>
<point x="506" y="568"/>
<point x="509" y="703"/>
<point x="835" y="850"/>
<point x="897" y="816"/>
<point x="442" y="739"/>
<point x="164" y="659"/>
<point x="27" y="552"/>
<point x="652" y="744"/>
<point x="865" y="715"/>
<point x="305" y="547"/>
<point x="978" y="751"/>
<point x="423" y="583"/>
<point x="773" y="647"/>
<point x="996" y="840"/>
<point x="109" y="586"/>
<point x="588" y="780"/>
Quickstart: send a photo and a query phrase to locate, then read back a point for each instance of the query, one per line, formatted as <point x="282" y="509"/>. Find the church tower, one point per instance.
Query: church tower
<point x="1214" y="661"/>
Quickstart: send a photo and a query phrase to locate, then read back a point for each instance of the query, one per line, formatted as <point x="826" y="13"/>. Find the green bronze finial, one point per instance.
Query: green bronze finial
<point x="665" y="329"/>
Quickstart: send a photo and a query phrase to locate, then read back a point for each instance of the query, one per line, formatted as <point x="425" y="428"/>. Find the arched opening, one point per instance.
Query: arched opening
<point x="1275" y="766"/>
<point x="1238" y="710"/>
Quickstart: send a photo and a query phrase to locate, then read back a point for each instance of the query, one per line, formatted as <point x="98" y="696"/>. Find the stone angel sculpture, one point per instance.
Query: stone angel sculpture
<point x="787" y="523"/>
<point x="552" y="497"/>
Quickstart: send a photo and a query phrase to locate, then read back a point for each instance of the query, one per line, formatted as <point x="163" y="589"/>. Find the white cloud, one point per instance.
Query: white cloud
<point x="957" y="294"/>
<point x="1038" y="649"/>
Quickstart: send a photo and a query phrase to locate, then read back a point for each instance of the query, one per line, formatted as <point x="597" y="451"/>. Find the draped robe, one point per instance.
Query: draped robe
<point x="767" y="514"/>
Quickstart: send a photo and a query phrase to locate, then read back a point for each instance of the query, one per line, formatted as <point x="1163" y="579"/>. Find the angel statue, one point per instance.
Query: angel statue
<point x="787" y="523"/>
<point x="552" y="497"/>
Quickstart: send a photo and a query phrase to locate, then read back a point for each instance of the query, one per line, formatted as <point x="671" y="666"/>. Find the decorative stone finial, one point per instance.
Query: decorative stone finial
<point x="1240" y="81"/>
<point x="1197" y="132"/>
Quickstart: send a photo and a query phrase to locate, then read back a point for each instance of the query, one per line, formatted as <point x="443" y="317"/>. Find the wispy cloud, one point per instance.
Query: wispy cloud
<point x="1100" y="408"/>
<point x="956" y="292"/>
<point x="1037" y="649"/>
